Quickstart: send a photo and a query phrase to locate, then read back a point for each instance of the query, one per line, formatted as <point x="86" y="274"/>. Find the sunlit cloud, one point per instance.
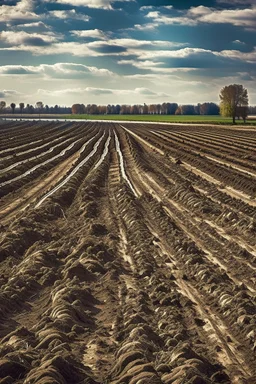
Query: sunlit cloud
<point x="101" y="4"/>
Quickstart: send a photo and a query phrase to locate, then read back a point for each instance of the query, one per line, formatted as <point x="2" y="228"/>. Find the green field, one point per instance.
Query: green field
<point x="161" y="118"/>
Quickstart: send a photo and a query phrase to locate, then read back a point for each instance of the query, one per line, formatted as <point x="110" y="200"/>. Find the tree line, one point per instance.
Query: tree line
<point x="234" y="102"/>
<point x="38" y="108"/>
<point x="145" y="109"/>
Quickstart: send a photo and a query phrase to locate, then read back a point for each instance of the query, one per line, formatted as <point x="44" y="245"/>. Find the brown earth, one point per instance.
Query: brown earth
<point x="127" y="254"/>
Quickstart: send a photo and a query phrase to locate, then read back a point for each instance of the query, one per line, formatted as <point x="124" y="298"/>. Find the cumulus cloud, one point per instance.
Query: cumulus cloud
<point x="238" y="42"/>
<point x="36" y="24"/>
<point x="69" y="14"/>
<point x="132" y="44"/>
<point x="249" y="57"/>
<point x="153" y="66"/>
<point x="238" y="17"/>
<point x="149" y="7"/>
<point x="62" y="70"/>
<point x="240" y="2"/>
<point x="143" y="27"/>
<point x="90" y="33"/>
<point x="9" y="93"/>
<point x="103" y="91"/>
<point x="111" y="47"/>
<point x="31" y="39"/>
<point x="23" y="10"/>
<point x="160" y="18"/>
<point x="101" y="4"/>
<point x="179" y="53"/>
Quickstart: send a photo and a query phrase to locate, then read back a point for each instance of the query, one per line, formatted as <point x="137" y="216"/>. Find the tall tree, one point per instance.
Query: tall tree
<point x="231" y="97"/>
<point x="145" y="109"/>
<point x="13" y="105"/>
<point x="2" y="105"/>
<point x="75" y="109"/>
<point x="22" y="106"/>
<point x="39" y="106"/>
<point x="171" y="108"/>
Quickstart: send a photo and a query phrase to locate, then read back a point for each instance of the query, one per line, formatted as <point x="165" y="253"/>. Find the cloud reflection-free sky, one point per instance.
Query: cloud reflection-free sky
<point x="129" y="51"/>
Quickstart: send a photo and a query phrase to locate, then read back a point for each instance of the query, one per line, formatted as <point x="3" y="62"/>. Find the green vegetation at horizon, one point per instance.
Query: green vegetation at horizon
<point x="193" y="119"/>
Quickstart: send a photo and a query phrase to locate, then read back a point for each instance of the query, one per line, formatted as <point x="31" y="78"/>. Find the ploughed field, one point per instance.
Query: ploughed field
<point x="127" y="253"/>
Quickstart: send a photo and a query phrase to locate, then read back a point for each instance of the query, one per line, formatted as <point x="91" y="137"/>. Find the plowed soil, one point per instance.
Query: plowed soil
<point x="127" y="254"/>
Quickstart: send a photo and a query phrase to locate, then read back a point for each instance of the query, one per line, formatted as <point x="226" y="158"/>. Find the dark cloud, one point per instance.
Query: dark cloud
<point x="36" y="41"/>
<point x="108" y="49"/>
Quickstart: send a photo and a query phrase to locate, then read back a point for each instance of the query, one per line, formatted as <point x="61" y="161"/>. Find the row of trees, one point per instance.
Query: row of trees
<point x="151" y="109"/>
<point x="39" y="107"/>
<point x="125" y="109"/>
<point x="233" y="103"/>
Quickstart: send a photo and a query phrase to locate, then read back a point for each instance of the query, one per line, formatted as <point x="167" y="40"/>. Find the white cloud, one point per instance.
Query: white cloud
<point x="67" y="70"/>
<point x="238" y="17"/>
<point x="101" y="4"/>
<point x="90" y="33"/>
<point x="143" y="27"/>
<point x="71" y="48"/>
<point x="21" y="37"/>
<point x="23" y="10"/>
<point x="238" y="42"/>
<point x="148" y="7"/>
<point x="160" y="18"/>
<point x="9" y="93"/>
<point x="201" y="14"/>
<point x="36" y="24"/>
<point x="241" y="2"/>
<point x="134" y="43"/>
<point x="179" y="53"/>
<point x="102" y="91"/>
<point x="69" y="14"/>
<point x="153" y="66"/>
<point x="249" y="57"/>
<point x="139" y="48"/>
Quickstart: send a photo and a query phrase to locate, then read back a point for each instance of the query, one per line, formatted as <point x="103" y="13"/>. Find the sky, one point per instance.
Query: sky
<point x="126" y="51"/>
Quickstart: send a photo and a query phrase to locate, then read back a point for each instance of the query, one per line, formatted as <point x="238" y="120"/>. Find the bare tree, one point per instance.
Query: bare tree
<point x="232" y="97"/>
<point x="13" y="105"/>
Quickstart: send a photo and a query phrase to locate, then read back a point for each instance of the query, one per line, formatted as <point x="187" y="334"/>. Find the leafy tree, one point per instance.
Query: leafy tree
<point x="145" y="109"/>
<point x="30" y="109"/>
<point x="118" y="109"/>
<point x="2" y="105"/>
<point x="75" y="109"/>
<point x="209" y="109"/>
<point x="242" y="112"/>
<point x="231" y="97"/>
<point x="152" y="109"/>
<point x="178" y="110"/>
<point x="135" y="109"/>
<point x="13" y="105"/>
<point x="187" y="109"/>
<point x="39" y="106"/>
<point x="171" y="108"/>
<point x="79" y="109"/>
<point x="22" y="106"/>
